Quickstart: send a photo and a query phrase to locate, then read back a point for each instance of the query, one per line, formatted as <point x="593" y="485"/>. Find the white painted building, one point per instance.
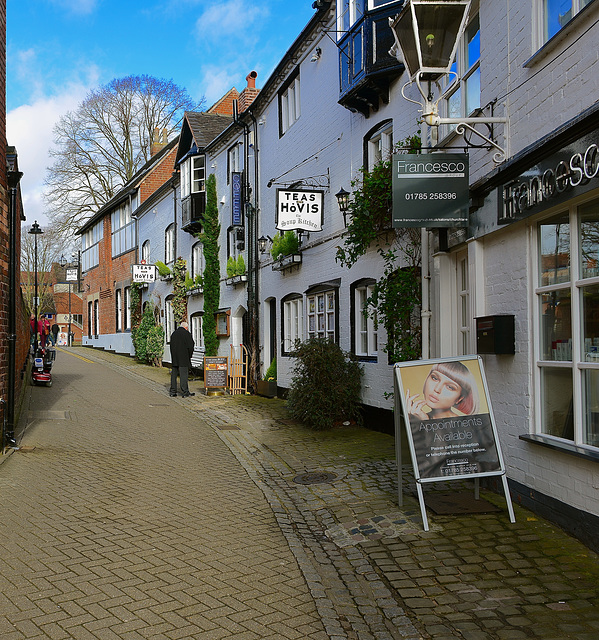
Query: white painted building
<point x="333" y="105"/>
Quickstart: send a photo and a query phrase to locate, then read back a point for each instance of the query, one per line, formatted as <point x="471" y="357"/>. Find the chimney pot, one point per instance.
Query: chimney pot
<point x="251" y="79"/>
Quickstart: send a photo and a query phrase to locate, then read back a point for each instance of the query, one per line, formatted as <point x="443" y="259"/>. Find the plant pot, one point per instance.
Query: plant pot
<point x="266" y="388"/>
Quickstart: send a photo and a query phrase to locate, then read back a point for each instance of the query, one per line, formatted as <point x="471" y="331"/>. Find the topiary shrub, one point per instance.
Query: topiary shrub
<point x="231" y="267"/>
<point x="325" y="386"/>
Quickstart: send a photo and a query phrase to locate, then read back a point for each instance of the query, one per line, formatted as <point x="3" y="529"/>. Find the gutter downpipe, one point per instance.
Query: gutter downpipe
<point x="254" y="249"/>
<point x="13" y="178"/>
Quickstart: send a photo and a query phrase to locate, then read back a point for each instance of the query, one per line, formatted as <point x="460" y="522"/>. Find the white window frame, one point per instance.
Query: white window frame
<point x="123" y="230"/>
<point x="127" y="303"/>
<point x="90" y="255"/>
<point x="574" y="358"/>
<point x="289" y="101"/>
<point x="145" y="252"/>
<point x="193" y="175"/>
<point x="293" y="322"/>
<point x="197" y="332"/>
<point x="380" y="145"/>
<point x="197" y="260"/>
<point x="348" y="13"/>
<point x="464" y="313"/>
<point x="365" y="326"/>
<point x="118" y="301"/>
<point x="169" y="244"/>
<point x="234" y="160"/>
<point x="468" y="75"/>
<point x="169" y="319"/>
<point x="542" y="15"/>
<point x="322" y="315"/>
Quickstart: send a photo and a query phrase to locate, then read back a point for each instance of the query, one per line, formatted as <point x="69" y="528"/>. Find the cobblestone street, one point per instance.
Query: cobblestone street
<point x="129" y="514"/>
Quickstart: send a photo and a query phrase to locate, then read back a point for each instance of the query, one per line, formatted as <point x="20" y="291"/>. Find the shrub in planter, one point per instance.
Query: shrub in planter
<point x="284" y="245"/>
<point x="326" y="384"/>
<point x="163" y="270"/>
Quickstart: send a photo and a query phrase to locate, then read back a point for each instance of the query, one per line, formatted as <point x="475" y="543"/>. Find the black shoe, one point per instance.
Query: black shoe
<point x="172" y="395"/>
<point x="187" y="395"/>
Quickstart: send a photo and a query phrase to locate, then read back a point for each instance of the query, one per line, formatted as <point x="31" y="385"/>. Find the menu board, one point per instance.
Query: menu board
<point x="216" y="372"/>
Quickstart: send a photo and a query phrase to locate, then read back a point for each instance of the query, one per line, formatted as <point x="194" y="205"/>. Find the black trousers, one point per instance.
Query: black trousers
<point x="183" y="374"/>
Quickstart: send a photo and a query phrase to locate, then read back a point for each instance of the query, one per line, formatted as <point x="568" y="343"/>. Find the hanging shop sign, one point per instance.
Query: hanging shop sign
<point x="430" y="190"/>
<point x="72" y="274"/>
<point x="236" y="204"/>
<point x="299" y="210"/>
<point x="556" y="179"/>
<point x="143" y="273"/>
<point x="448" y="420"/>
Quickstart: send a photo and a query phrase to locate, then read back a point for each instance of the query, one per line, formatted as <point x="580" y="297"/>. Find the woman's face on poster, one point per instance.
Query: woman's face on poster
<point x="440" y="391"/>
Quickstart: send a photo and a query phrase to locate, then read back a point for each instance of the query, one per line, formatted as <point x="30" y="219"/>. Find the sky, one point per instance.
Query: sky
<point x="59" y="50"/>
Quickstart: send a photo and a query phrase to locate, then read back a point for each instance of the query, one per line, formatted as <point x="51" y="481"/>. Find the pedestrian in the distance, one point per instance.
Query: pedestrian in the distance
<point x="182" y="346"/>
<point x="55" y="330"/>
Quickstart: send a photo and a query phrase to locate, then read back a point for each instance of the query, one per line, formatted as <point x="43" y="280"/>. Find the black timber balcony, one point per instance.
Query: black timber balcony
<point x="366" y="69"/>
<point x="193" y="208"/>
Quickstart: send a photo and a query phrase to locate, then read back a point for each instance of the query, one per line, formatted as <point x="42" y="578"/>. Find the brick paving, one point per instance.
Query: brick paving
<point x="136" y="515"/>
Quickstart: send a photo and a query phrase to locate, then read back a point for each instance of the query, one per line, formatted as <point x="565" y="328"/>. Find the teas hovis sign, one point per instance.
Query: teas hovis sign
<point x="299" y="210"/>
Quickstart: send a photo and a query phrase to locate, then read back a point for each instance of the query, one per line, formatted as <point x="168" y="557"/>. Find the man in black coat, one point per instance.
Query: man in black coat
<point x="182" y="346"/>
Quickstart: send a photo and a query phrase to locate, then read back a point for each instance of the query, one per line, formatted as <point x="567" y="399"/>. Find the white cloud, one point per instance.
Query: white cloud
<point x="77" y="7"/>
<point x="30" y="130"/>
<point x="239" y="19"/>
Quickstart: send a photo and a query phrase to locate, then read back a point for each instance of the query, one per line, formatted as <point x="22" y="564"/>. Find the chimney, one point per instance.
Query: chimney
<point x="248" y="95"/>
<point x="159" y="141"/>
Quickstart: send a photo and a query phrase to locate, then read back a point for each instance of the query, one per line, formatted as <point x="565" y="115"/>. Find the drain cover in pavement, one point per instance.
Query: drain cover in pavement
<point x="315" y="477"/>
<point x="456" y="503"/>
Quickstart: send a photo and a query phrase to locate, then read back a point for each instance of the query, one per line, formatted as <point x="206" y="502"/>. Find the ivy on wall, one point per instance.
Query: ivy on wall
<point x="179" y="302"/>
<point x="396" y="298"/>
<point x="209" y="238"/>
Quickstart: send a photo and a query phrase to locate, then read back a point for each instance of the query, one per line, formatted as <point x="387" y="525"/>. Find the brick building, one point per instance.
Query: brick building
<point x="109" y="249"/>
<point x="14" y="327"/>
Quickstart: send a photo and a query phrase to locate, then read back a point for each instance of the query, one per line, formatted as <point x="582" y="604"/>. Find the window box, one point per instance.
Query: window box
<point x="236" y="280"/>
<point x="286" y="262"/>
<point x="266" y="388"/>
<point x="196" y="291"/>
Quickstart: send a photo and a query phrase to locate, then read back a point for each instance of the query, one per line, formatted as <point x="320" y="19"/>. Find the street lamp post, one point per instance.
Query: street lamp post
<point x="35" y="231"/>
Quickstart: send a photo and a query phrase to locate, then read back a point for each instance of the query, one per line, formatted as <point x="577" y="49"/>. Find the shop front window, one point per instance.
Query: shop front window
<point x="568" y="321"/>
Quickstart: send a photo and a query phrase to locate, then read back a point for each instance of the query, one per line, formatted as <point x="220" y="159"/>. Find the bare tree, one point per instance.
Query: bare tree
<point x="106" y="140"/>
<point x="50" y="246"/>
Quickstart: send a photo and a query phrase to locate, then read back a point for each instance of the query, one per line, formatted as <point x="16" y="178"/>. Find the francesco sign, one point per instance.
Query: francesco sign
<point x="430" y="190"/>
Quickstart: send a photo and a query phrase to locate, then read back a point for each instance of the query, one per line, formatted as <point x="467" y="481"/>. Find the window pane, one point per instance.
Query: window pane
<point x="556" y="326"/>
<point x="589" y="240"/>
<point x="472" y="43"/>
<point x="557" y="13"/>
<point x="590" y="323"/>
<point x="473" y="92"/>
<point x="591" y="411"/>
<point x="555" y="250"/>
<point x="556" y="400"/>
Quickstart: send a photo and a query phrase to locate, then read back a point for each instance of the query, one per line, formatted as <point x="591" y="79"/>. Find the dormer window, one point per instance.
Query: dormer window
<point x="193" y="192"/>
<point x="193" y="175"/>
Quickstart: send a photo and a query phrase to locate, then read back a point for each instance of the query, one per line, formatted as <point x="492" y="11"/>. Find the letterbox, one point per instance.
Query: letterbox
<point x="496" y="334"/>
